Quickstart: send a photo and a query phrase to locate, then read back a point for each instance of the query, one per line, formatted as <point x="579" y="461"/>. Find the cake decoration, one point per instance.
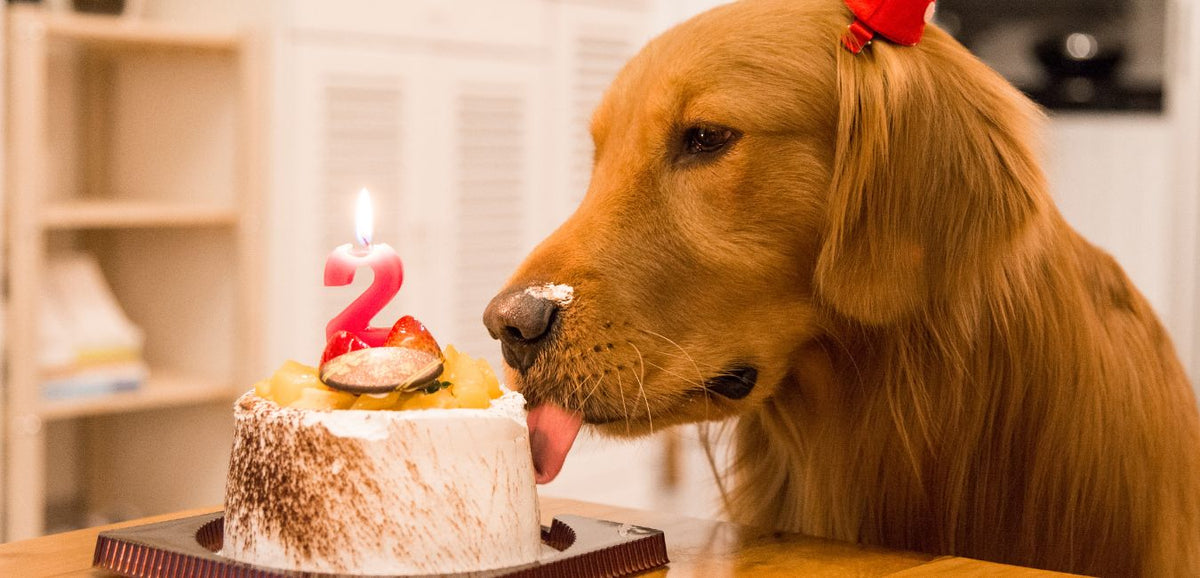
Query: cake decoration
<point x="392" y="378"/>
<point x="342" y="342"/>
<point x="410" y="333"/>
<point x="344" y="262"/>
<point x="409" y="360"/>
<point x="381" y="370"/>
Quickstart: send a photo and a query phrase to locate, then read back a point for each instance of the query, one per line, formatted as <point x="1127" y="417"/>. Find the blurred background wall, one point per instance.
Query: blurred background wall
<point x="467" y="121"/>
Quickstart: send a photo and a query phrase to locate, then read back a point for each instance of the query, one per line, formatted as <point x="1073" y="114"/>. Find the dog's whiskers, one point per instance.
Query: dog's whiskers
<point x="599" y="380"/>
<point x="685" y="355"/>
<point x="706" y="442"/>
<point x="573" y="397"/>
<point x="673" y="374"/>
<point x="702" y="428"/>
<point x="583" y="385"/>
<point x="683" y="351"/>
<point x="642" y="386"/>
<point x="624" y="409"/>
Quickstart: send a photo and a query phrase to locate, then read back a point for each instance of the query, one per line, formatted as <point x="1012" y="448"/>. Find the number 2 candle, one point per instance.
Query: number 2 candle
<point x="344" y="262"/>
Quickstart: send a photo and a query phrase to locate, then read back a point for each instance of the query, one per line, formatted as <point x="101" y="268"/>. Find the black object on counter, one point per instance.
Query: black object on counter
<point x="1082" y="73"/>
<point x="99" y="6"/>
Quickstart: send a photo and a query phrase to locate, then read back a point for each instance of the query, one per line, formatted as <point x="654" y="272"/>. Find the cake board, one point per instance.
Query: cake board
<point x="574" y="546"/>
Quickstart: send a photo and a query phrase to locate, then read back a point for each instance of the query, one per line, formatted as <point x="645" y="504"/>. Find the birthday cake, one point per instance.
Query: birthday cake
<point x="399" y="459"/>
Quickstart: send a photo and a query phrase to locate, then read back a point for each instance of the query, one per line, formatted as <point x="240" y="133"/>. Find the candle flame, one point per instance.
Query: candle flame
<point x="364" y="218"/>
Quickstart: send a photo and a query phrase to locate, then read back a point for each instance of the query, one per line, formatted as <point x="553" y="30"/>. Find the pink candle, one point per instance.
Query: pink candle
<point x="341" y="266"/>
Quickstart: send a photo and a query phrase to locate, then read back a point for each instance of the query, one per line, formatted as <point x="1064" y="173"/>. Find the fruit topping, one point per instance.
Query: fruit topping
<point x="465" y="382"/>
<point x="377" y="400"/>
<point x="290" y="379"/>
<point x="341" y="343"/>
<point x="472" y="381"/>
<point x="410" y="333"/>
<point x="381" y="370"/>
<point x="316" y="398"/>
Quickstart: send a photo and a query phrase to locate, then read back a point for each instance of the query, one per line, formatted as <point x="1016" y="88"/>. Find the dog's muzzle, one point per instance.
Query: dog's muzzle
<point x="522" y="321"/>
<point x="735" y="383"/>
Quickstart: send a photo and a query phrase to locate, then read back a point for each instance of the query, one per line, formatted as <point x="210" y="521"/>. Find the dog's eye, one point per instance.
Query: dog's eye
<point x="706" y="139"/>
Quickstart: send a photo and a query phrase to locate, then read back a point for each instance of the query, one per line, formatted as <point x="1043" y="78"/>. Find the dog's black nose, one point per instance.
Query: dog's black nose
<point x="521" y="320"/>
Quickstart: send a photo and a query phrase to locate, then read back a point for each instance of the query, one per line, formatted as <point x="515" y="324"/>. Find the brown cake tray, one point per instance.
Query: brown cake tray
<point x="188" y="547"/>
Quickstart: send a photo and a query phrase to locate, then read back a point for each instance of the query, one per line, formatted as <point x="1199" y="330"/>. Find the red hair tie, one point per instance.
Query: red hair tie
<point x="901" y="21"/>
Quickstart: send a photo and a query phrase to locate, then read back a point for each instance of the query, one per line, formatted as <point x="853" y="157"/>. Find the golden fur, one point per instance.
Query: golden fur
<point x="943" y="363"/>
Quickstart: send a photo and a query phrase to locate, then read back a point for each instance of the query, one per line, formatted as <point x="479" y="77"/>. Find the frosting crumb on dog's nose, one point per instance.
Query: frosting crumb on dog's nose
<point x="561" y="294"/>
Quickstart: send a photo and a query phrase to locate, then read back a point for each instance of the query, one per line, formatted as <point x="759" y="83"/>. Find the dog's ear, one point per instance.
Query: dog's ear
<point x="934" y="177"/>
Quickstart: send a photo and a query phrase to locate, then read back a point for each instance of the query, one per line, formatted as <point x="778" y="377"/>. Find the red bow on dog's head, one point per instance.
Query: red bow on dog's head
<point x="901" y="21"/>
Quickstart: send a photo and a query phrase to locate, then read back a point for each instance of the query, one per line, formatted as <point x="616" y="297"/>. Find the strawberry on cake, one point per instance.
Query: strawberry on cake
<point x="400" y="459"/>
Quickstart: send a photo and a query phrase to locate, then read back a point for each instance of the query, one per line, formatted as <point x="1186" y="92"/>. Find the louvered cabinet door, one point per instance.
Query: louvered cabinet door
<point x="589" y="44"/>
<point x="487" y="198"/>
<point x="352" y="118"/>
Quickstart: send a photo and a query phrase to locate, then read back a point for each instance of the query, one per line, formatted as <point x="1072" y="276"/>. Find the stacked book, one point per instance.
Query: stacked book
<point x="88" y="346"/>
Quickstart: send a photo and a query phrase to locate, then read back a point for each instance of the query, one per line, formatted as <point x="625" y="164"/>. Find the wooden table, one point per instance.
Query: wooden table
<point x="696" y="548"/>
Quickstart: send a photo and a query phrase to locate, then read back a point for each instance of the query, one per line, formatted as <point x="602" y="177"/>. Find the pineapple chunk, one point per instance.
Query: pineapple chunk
<point x="471" y="395"/>
<point x="290" y="380"/>
<point x="323" y="398"/>
<point x="489" y="378"/>
<point x="442" y="399"/>
<point x="263" y="389"/>
<point x="450" y="358"/>
<point x="387" y="401"/>
<point x="460" y="368"/>
<point x="470" y="375"/>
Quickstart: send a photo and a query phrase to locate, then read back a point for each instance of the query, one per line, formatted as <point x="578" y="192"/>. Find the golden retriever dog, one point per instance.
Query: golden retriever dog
<point x="858" y="258"/>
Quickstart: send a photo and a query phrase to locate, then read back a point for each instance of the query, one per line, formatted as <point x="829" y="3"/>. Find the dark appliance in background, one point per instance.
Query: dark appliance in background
<point x="1068" y="54"/>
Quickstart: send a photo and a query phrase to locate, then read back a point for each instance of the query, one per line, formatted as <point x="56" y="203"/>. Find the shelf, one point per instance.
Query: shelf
<point x="141" y="143"/>
<point x="161" y="390"/>
<point x="117" y="32"/>
<point x="128" y="214"/>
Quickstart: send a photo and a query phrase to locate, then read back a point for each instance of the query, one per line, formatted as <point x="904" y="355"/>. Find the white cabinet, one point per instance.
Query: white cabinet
<point x="1183" y="110"/>
<point x="446" y="144"/>
<point x="468" y="123"/>
<point x="587" y="46"/>
<point x="444" y="25"/>
<point x="1111" y="176"/>
<point x="1127" y="184"/>
<point x="344" y="120"/>
<point x="488" y="193"/>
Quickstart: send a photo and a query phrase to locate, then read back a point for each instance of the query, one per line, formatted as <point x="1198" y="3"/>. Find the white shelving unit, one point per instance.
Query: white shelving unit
<point x="112" y="214"/>
<point x="145" y="154"/>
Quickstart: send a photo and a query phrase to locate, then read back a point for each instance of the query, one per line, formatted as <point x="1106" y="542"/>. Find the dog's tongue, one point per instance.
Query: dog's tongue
<point x="552" y="430"/>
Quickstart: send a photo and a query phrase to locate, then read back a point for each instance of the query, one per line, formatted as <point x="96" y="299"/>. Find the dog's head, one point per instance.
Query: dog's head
<point x="755" y="185"/>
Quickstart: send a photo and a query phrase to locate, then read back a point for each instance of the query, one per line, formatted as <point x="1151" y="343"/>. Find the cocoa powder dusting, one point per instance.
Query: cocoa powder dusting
<point x="309" y="491"/>
<point x="285" y="475"/>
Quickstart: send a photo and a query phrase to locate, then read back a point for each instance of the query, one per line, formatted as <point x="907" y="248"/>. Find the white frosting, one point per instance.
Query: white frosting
<point x="382" y="492"/>
<point x="563" y="295"/>
<point x="365" y="425"/>
<point x="373" y="425"/>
